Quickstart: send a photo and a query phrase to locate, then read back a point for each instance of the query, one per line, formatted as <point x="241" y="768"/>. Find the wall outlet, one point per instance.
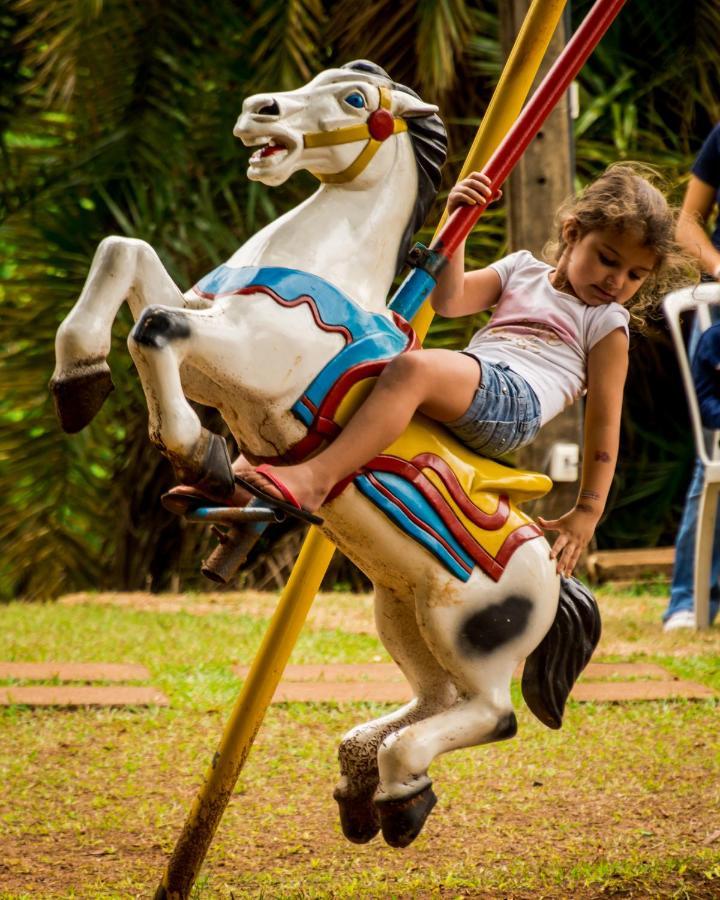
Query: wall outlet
<point x="564" y="462"/>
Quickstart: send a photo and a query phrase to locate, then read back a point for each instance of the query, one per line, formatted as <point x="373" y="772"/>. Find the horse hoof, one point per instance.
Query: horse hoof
<point x="79" y="397"/>
<point x="358" y="817"/>
<point x="218" y="477"/>
<point x="403" y="820"/>
<point x="211" y="472"/>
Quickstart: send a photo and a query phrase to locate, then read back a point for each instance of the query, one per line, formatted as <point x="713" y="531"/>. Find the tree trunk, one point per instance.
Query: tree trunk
<point x="540" y="182"/>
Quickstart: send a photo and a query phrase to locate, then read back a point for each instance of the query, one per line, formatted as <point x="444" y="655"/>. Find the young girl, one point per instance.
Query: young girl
<point x="556" y="332"/>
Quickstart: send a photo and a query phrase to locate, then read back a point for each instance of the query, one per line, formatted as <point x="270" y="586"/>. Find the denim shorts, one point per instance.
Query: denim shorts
<point x="504" y="413"/>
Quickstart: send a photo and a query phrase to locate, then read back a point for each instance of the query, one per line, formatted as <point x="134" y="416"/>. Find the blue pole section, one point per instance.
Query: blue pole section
<point x="411" y="294"/>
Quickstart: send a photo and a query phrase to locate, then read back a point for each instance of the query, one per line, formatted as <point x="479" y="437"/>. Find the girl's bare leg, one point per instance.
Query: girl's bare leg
<point x="438" y="383"/>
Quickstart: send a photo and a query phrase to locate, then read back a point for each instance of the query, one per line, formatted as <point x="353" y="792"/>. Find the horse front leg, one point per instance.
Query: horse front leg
<point x="478" y="632"/>
<point x="158" y="344"/>
<point x="122" y="269"/>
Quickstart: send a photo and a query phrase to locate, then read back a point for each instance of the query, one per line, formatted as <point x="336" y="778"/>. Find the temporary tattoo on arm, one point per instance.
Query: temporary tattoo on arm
<point x="602" y="456"/>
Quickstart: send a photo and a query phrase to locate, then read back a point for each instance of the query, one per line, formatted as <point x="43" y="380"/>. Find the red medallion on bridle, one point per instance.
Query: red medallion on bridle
<point x="381" y="124"/>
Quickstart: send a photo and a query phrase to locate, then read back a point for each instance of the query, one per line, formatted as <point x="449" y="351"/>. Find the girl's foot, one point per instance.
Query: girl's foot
<point x="298" y="485"/>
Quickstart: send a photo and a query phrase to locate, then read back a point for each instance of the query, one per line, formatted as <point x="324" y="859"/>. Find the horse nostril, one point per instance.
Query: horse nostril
<point x="270" y="109"/>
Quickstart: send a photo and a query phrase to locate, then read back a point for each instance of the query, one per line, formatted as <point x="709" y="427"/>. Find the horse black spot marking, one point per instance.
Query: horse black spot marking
<point x="156" y="326"/>
<point x="506" y="728"/>
<point x="485" y="631"/>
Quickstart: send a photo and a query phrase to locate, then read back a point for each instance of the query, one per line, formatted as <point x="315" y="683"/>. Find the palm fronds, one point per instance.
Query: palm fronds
<point x="117" y="118"/>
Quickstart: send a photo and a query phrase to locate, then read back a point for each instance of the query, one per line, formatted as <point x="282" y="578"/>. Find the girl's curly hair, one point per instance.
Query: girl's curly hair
<point x="626" y="198"/>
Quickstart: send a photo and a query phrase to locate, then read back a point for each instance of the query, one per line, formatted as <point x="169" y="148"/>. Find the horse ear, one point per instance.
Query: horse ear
<point x="409" y="106"/>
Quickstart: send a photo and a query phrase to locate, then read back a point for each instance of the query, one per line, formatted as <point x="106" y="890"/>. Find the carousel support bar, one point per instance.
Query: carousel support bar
<point x="543" y="101"/>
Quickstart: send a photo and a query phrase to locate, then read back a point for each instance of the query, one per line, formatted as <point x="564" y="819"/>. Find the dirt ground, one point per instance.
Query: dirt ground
<point x="281" y="828"/>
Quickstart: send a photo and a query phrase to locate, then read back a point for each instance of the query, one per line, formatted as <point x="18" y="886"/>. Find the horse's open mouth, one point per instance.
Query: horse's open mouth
<point x="273" y="148"/>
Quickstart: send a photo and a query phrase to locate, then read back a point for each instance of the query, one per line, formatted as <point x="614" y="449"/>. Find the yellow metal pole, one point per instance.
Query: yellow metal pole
<point x="505" y="104"/>
<point x="304" y="582"/>
<point x="246" y="717"/>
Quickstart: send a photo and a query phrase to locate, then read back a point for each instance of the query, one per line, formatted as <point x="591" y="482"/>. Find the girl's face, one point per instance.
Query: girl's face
<point x="603" y="266"/>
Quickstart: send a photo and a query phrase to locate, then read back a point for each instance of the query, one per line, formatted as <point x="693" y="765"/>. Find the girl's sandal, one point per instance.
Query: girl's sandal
<point x="289" y="504"/>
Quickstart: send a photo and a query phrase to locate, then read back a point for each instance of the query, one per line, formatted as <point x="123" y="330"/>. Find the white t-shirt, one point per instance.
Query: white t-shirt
<point x="543" y="334"/>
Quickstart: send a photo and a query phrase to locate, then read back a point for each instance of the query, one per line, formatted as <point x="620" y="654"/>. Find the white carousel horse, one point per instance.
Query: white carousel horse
<point x="263" y="331"/>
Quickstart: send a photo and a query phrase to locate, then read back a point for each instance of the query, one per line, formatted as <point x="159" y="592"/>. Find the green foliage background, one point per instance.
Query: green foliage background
<point x="116" y="117"/>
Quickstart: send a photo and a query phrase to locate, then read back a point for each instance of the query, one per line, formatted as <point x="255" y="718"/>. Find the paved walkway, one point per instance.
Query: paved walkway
<point x="69" y="694"/>
<point x="384" y="683"/>
<point x="375" y="682"/>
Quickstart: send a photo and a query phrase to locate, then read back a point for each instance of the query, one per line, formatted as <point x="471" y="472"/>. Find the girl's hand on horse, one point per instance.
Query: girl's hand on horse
<point x="476" y="188"/>
<point x="574" y="529"/>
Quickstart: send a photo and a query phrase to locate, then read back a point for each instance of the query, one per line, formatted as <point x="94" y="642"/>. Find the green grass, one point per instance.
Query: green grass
<point x="621" y="802"/>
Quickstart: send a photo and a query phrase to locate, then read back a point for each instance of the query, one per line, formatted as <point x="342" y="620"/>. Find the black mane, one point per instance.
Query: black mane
<point x="429" y="142"/>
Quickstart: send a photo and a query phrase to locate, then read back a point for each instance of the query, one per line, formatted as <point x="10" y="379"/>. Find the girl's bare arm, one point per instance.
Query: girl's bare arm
<point x="607" y="370"/>
<point x="458" y="293"/>
<point x="691" y="234"/>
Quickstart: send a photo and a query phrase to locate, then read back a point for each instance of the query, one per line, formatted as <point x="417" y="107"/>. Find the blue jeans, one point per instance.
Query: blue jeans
<point x="682" y="589"/>
<point x="504" y="413"/>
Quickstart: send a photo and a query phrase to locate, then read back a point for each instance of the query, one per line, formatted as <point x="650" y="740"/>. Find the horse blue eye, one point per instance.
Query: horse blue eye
<point x="355" y="99"/>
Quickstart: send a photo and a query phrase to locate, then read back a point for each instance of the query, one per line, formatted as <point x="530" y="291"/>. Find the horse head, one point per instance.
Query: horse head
<point x="376" y="147"/>
<point x="332" y="126"/>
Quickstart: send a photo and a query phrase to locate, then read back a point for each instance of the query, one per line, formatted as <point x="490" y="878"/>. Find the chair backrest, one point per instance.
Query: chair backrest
<point x="699" y="299"/>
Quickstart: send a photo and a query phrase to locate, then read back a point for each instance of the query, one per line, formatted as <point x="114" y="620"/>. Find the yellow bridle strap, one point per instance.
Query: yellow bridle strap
<point x="347" y="135"/>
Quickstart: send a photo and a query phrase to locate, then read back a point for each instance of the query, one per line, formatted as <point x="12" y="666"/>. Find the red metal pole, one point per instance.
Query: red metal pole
<point x="530" y="120"/>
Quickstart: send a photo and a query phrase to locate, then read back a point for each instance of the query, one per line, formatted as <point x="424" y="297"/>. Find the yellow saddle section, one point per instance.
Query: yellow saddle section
<point x="461" y="506"/>
<point x="477" y="475"/>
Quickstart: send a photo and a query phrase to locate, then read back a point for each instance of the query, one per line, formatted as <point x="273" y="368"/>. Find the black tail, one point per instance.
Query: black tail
<point x="554" y="665"/>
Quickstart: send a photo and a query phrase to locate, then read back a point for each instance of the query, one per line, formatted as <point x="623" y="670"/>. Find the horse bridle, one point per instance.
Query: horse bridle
<point x="380" y="125"/>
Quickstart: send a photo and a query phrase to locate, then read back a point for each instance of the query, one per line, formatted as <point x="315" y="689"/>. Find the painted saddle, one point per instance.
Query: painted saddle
<point x="461" y="507"/>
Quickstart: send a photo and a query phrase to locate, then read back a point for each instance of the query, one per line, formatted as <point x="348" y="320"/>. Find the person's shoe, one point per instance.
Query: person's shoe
<point x="683" y="618"/>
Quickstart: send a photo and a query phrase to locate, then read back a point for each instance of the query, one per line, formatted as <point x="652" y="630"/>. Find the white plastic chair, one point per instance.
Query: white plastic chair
<point x="699" y="299"/>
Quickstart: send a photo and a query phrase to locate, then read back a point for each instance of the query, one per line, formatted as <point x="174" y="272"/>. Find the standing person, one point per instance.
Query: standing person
<point x="557" y="331"/>
<point x="701" y="199"/>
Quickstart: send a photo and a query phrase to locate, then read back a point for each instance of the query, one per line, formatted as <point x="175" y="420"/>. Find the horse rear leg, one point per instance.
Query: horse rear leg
<point x="122" y="269"/>
<point x="398" y="630"/>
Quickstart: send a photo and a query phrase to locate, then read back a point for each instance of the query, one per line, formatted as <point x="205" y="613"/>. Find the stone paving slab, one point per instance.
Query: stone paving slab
<point x="384" y="683"/>
<point x="342" y="692"/>
<point x="334" y="673"/>
<point x="46" y="671"/>
<point x="601" y="671"/>
<point x="396" y="692"/>
<point x="618" y="691"/>
<point x="73" y="696"/>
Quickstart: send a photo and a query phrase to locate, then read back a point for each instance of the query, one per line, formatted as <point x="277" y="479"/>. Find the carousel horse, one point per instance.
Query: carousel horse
<point x="284" y="339"/>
